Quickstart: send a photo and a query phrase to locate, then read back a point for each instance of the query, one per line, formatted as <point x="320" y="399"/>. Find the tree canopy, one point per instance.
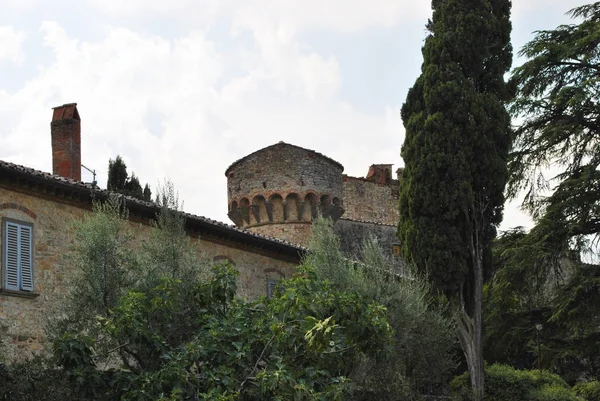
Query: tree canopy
<point x="558" y="110"/>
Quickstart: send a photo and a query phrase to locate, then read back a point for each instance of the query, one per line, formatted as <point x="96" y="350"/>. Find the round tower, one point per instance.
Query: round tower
<point x="278" y="190"/>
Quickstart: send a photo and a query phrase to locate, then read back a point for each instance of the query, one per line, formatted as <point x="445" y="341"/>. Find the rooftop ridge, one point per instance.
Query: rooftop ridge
<point x="280" y="143"/>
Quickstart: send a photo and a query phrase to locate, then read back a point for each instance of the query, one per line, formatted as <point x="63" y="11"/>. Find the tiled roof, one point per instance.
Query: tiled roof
<point x="367" y="222"/>
<point x="281" y="143"/>
<point x="209" y="224"/>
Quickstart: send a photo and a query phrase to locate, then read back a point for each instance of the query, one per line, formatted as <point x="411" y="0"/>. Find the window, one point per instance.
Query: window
<point x="271" y="285"/>
<point x="17" y="256"/>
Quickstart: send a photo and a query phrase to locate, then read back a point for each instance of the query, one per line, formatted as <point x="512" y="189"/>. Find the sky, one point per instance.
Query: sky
<point x="181" y="89"/>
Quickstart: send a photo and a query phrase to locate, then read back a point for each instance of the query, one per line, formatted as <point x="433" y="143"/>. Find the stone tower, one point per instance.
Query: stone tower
<point x="278" y="190"/>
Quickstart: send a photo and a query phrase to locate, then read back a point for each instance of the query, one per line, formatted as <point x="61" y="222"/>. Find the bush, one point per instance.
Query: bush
<point x="589" y="391"/>
<point x="504" y="383"/>
<point x="420" y="359"/>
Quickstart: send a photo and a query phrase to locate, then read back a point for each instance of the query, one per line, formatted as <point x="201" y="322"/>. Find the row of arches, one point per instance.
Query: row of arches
<point x="277" y="209"/>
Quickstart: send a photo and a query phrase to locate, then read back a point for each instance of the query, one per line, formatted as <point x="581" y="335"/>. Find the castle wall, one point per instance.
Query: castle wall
<point x="370" y="201"/>
<point x="24" y="314"/>
<point x="283" y="169"/>
<point x="279" y="190"/>
<point x="353" y="233"/>
<point x="296" y="233"/>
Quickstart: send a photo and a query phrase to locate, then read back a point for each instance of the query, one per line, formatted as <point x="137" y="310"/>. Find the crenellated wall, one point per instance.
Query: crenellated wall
<point x="284" y="185"/>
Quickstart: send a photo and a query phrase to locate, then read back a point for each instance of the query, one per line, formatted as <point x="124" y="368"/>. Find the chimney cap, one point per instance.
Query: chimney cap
<point x="65" y="112"/>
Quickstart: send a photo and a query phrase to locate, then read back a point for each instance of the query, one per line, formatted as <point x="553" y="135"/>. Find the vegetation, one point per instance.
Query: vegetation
<point x="421" y="356"/>
<point x="546" y="269"/>
<point x="504" y="383"/>
<point x="155" y="322"/>
<point x="455" y="154"/>
<point x="557" y="99"/>
<point x="120" y="181"/>
<point x="589" y="391"/>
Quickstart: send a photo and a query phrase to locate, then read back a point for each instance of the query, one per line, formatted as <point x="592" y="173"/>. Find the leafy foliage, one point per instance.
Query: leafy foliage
<point x="557" y="104"/>
<point x="298" y="345"/>
<point x="532" y="275"/>
<point x="420" y="357"/>
<point x="103" y="268"/>
<point x="504" y="383"/>
<point x="589" y="391"/>
<point x="171" y="330"/>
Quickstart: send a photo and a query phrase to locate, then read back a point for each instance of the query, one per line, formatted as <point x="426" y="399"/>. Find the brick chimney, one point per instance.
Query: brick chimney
<point x="65" y="130"/>
<point x="380" y="174"/>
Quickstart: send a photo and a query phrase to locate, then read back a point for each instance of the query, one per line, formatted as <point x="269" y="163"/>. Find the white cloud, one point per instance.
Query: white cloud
<point x="11" y="42"/>
<point x="525" y="8"/>
<point x="185" y="105"/>
<point x="336" y="15"/>
<point x="165" y="106"/>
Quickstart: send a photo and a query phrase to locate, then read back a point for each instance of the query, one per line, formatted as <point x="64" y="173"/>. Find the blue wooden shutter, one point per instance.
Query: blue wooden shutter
<point x="11" y="259"/>
<point x="26" y="260"/>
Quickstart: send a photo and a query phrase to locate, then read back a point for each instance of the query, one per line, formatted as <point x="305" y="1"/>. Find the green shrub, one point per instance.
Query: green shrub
<point x="589" y="391"/>
<point x="504" y="383"/>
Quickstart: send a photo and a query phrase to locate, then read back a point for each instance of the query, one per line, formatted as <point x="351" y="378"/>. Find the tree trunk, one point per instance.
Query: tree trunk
<point x="470" y="326"/>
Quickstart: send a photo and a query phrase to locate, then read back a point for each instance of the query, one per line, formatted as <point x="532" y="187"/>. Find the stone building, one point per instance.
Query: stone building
<point x="278" y="190"/>
<point x="273" y="195"/>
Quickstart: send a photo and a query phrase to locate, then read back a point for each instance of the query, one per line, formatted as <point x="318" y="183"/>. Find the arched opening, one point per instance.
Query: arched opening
<point x="245" y="211"/>
<point x="310" y="207"/>
<point x="291" y="207"/>
<point x="259" y="210"/>
<point x="277" y="206"/>
<point x="234" y="206"/>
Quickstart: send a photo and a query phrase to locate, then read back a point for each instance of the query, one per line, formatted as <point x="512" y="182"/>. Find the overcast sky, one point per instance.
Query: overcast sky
<point x="183" y="88"/>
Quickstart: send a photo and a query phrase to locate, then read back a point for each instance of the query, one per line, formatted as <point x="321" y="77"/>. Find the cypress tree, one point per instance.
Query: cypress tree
<point x="117" y="174"/>
<point x="455" y="153"/>
<point x="120" y="181"/>
<point x="147" y="194"/>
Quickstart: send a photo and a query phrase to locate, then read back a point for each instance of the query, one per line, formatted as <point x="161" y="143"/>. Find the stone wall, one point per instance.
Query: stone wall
<point x="283" y="183"/>
<point x="370" y="201"/>
<point x="296" y="233"/>
<point x="352" y="234"/>
<point x="24" y="314"/>
<point x="283" y="168"/>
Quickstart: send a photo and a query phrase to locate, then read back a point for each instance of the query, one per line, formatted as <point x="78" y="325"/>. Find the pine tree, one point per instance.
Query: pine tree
<point x="455" y="154"/>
